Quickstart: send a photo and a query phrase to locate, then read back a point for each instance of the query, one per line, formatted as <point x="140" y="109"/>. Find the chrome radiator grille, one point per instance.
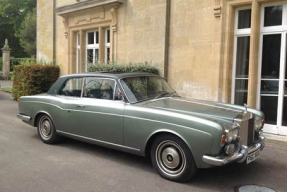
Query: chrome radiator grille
<point x="247" y="131"/>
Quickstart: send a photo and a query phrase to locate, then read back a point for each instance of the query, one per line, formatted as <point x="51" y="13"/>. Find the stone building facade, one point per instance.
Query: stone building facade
<point x="224" y="50"/>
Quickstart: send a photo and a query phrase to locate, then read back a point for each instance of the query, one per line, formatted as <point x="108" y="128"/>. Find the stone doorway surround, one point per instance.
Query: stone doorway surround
<point x="227" y="48"/>
<point x="254" y="74"/>
<point x="85" y="16"/>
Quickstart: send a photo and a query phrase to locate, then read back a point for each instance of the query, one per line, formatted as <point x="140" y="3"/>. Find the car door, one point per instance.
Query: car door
<point x="65" y="103"/>
<point x="97" y="114"/>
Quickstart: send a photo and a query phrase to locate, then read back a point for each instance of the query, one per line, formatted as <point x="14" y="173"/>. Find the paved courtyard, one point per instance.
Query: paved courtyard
<point x="4" y="83"/>
<point x="26" y="164"/>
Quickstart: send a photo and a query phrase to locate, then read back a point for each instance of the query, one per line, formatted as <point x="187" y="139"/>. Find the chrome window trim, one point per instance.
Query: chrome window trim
<point x="99" y="141"/>
<point x="83" y="84"/>
<point x="57" y="95"/>
<point x="82" y="89"/>
<point x="115" y="84"/>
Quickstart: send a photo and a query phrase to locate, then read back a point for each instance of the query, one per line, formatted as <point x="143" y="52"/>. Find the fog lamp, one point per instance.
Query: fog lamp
<point x="229" y="149"/>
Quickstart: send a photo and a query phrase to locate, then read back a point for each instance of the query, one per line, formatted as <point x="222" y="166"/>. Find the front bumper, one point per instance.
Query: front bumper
<point x="239" y="156"/>
<point x="24" y="117"/>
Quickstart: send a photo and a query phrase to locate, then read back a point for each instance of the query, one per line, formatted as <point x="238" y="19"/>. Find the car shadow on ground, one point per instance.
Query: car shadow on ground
<point x="103" y="152"/>
<point x="226" y="177"/>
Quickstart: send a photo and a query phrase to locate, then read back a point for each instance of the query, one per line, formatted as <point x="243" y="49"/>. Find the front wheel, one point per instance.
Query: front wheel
<point x="172" y="158"/>
<point x="46" y="130"/>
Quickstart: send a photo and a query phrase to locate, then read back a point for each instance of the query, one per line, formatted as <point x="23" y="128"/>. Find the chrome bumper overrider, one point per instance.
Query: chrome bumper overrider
<point x="24" y="117"/>
<point x="239" y="156"/>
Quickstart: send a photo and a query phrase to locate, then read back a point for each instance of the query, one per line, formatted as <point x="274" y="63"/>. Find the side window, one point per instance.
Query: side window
<point x="72" y="88"/>
<point x="99" y="88"/>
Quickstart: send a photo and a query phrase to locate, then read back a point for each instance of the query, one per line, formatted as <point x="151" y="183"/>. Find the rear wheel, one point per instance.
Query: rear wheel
<point x="46" y="130"/>
<point x="172" y="158"/>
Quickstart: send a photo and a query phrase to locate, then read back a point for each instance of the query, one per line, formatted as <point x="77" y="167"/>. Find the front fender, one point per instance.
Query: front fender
<point x="199" y="143"/>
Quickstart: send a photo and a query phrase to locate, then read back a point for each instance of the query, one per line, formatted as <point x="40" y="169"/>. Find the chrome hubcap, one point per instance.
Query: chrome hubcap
<point x="45" y="128"/>
<point x="170" y="158"/>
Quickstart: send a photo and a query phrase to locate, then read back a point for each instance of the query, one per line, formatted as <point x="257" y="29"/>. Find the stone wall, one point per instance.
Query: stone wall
<point x="141" y="32"/>
<point x="45" y="30"/>
<point x="140" y="37"/>
<point x="195" y="49"/>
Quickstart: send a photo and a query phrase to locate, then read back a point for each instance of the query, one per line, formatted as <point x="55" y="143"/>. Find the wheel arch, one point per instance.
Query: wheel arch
<point x="39" y="114"/>
<point x="155" y="134"/>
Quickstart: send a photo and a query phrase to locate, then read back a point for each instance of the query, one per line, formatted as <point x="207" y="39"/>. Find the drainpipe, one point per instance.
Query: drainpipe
<point x="54" y="32"/>
<point x="167" y="37"/>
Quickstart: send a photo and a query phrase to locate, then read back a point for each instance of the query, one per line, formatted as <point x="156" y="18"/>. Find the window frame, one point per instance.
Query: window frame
<point x="65" y="83"/>
<point x="273" y="29"/>
<point x="107" y="44"/>
<point x="238" y="33"/>
<point x="102" y="78"/>
<point x="241" y="31"/>
<point x="94" y="47"/>
<point x="78" y="49"/>
<point x="278" y="128"/>
<point x="127" y="95"/>
<point x="117" y="85"/>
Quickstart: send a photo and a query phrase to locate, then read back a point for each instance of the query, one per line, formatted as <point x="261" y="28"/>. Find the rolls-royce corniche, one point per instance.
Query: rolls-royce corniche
<point x="141" y="114"/>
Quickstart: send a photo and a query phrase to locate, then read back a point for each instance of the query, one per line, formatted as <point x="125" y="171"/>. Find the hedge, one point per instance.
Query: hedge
<point x="33" y="79"/>
<point x="123" y="68"/>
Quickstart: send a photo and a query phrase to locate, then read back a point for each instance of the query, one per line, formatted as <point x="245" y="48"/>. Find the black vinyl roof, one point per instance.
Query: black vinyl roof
<point x="59" y="83"/>
<point x="108" y="74"/>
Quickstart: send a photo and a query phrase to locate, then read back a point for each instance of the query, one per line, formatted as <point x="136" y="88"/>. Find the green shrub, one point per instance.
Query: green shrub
<point x="123" y="68"/>
<point x="32" y="79"/>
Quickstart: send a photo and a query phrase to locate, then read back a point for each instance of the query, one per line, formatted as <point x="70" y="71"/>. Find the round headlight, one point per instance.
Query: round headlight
<point x="232" y="135"/>
<point x="229" y="136"/>
<point x="235" y="133"/>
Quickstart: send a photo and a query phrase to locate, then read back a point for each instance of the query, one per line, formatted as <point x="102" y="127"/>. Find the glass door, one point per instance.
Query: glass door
<point x="272" y="73"/>
<point x="283" y="112"/>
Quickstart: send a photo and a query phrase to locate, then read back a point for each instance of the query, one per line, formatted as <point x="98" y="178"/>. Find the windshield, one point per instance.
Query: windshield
<point x="145" y="88"/>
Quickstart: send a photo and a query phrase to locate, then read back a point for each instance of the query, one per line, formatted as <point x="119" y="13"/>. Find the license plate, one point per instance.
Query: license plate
<point x="252" y="156"/>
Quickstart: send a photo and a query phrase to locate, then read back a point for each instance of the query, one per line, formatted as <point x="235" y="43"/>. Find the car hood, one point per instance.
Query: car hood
<point x="204" y="109"/>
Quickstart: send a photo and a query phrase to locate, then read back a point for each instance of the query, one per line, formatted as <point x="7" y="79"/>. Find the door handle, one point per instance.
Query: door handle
<point x="80" y="107"/>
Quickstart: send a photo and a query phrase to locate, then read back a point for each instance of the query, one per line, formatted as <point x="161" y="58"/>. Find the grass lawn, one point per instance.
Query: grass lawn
<point x="6" y="89"/>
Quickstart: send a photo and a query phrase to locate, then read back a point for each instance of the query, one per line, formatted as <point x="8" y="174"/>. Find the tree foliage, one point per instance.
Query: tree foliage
<point x="12" y="14"/>
<point x="28" y="33"/>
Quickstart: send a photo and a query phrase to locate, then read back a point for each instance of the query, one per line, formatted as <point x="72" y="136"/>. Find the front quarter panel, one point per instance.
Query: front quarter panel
<point x="141" y="123"/>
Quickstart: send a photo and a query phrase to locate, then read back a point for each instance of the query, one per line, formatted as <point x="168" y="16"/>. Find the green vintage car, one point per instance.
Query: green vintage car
<point x="141" y="114"/>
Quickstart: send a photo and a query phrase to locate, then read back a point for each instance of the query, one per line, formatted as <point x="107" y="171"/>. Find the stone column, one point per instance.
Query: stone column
<point x="253" y="61"/>
<point x="6" y="60"/>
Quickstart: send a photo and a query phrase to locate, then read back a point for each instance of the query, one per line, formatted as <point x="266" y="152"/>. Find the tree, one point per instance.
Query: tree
<point x="12" y="14"/>
<point x="28" y="33"/>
